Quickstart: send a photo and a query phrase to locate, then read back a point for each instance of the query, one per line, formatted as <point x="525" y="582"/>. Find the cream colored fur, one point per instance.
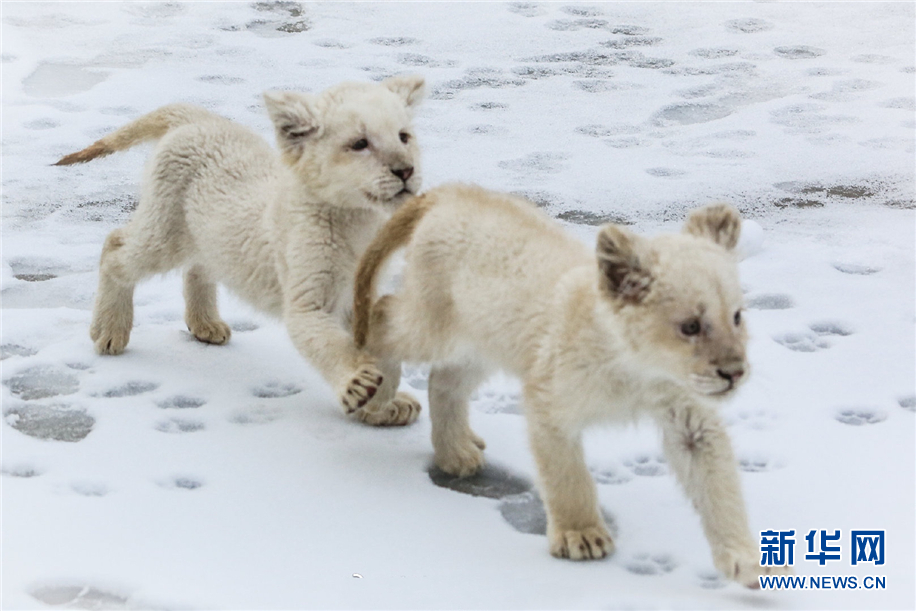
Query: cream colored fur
<point x="283" y="231"/>
<point x="639" y="327"/>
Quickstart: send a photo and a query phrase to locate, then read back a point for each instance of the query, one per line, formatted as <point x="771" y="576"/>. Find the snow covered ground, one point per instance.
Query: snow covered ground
<point x="180" y="475"/>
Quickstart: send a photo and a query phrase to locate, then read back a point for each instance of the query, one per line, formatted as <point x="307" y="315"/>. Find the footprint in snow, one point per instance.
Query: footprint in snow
<point x="79" y="597"/>
<point x="802" y="342"/>
<point x="179" y="425"/>
<point x="493" y="402"/>
<point x="417" y="377"/>
<point x="757" y="464"/>
<point x="650" y="564"/>
<point x="24" y="471"/>
<point x="256" y="415"/>
<point x="759" y="419"/>
<point x="182" y="483"/>
<point x="181" y="402"/>
<point x="859" y="416"/>
<point x="130" y="389"/>
<point x="711" y="580"/>
<point x="275" y="390"/>
<point x="527" y="9"/>
<point x="769" y="301"/>
<point x="908" y="402"/>
<point x="90" y="489"/>
<point x="856" y="269"/>
<point x="830" y="327"/>
<point x="613" y="475"/>
<point x="647" y="465"/>
<point x="749" y="25"/>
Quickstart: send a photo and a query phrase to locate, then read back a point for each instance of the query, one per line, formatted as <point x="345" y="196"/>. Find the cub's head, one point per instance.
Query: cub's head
<point x="354" y="145"/>
<point x="678" y="300"/>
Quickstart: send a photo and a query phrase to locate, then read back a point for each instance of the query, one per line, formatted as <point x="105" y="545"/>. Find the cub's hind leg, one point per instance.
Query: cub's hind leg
<point x="201" y="314"/>
<point x="153" y="242"/>
<point x="459" y="451"/>
<point x="113" y="312"/>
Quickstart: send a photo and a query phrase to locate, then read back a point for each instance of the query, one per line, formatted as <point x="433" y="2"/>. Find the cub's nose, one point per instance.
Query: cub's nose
<point x="403" y="173"/>
<point x="731" y="373"/>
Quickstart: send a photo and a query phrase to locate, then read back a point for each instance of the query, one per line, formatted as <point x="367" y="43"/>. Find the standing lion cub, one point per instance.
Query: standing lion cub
<point x="639" y="327"/>
<point x="283" y="231"/>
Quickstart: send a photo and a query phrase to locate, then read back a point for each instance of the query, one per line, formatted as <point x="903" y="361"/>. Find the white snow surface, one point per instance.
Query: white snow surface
<point x="185" y="476"/>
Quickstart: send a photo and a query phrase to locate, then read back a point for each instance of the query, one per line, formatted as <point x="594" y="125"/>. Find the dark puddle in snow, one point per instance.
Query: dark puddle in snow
<point x="41" y="382"/>
<point x="520" y="505"/>
<point x="56" y="422"/>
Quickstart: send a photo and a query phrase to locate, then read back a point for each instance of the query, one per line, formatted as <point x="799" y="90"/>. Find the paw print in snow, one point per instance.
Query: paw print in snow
<point x="647" y="465"/>
<point x="651" y="564"/>
<point x="858" y="416"/>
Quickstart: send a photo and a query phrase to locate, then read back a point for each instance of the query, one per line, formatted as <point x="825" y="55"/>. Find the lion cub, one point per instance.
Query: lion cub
<point x="641" y="326"/>
<point x="283" y="231"/>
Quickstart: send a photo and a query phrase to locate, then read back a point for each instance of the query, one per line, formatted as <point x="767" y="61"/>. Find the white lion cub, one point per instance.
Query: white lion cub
<point x="283" y="231"/>
<point x="640" y="327"/>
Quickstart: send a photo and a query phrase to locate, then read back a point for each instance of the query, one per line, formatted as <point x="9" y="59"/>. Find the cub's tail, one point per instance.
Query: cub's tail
<point x="148" y="127"/>
<point x="396" y="232"/>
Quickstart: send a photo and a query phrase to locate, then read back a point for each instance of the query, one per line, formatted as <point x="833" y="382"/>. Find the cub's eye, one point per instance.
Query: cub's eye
<point x="691" y="327"/>
<point x="737" y="318"/>
<point x="405" y="137"/>
<point x="360" y="144"/>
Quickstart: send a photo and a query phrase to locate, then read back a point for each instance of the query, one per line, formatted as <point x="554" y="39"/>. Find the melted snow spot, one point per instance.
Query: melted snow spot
<point x="56" y="421"/>
<point x="491" y="481"/>
<point x="41" y="382"/>
<point x="8" y="350"/>
<point x="690" y="113"/>
<point x="51" y="80"/>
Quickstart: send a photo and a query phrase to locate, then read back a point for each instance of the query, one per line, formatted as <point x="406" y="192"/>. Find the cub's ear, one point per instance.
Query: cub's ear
<point x="623" y="273"/>
<point x="294" y="119"/>
<point x="720" y="223"/>
<point x="410" y="88"/>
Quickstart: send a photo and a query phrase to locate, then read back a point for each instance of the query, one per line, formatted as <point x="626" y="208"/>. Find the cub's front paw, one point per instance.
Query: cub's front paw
<point x="745" y="568"/>
<point x="400" y="411"/>
<point x="462" y="457"/>
<point x="109" y="339"/>
<point x="362" y="387"/>
<point x="590" y="543"/>
<point x="210" y="332"/>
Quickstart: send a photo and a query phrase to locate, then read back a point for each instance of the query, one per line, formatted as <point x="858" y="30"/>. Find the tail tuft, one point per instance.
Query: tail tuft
<point x="87" y="154"/>
<point x="394" y="234"/>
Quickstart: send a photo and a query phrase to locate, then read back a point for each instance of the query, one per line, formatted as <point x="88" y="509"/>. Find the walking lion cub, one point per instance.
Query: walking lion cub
<point x="641" y="326"/>
<point x="283" y="231"/>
